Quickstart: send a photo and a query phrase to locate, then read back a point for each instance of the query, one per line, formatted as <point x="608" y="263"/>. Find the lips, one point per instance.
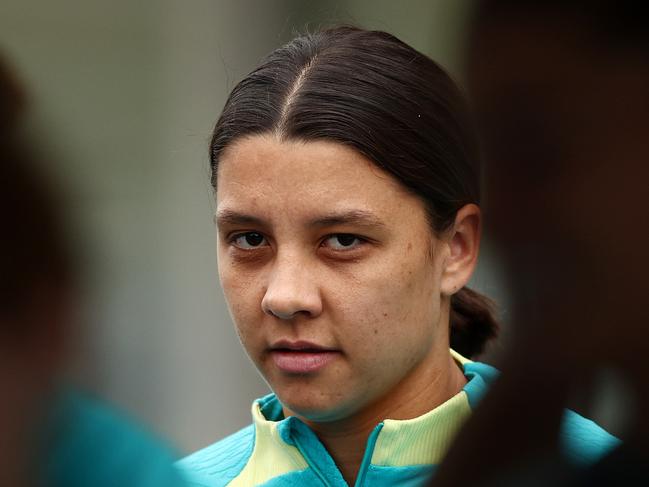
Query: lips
<point x="301" y="357"/>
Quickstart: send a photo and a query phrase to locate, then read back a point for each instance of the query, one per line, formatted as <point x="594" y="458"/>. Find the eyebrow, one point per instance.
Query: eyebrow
<point x="353" y="217"/>
<point x="349" y="217"/>
<point x="231" y="217"/>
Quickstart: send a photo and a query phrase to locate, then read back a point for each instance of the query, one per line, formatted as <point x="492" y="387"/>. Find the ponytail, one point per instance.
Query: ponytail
<point x="473" y="322"/>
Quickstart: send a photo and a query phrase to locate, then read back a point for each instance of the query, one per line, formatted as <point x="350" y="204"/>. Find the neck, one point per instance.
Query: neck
<point x="431" y="383"/>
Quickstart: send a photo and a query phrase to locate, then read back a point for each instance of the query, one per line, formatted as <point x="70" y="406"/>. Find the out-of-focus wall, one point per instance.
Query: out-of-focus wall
<point x="124" y="97"/>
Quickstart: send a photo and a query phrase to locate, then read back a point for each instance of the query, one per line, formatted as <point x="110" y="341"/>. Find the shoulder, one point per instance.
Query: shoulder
<point x="583" y="441"/>
<point x="92" y="443"/>
<point x="219" y="463"/>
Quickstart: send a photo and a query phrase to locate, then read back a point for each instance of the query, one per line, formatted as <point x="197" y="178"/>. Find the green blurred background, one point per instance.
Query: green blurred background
<point x="124" y="95"/>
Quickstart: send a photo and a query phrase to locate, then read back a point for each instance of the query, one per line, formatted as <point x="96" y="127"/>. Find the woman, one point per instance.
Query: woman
<point x="347" y="191"/>
<point x="51" y="435"/>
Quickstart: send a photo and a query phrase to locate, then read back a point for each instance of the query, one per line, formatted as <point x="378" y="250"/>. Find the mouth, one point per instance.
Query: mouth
<point x="301" y="357"/>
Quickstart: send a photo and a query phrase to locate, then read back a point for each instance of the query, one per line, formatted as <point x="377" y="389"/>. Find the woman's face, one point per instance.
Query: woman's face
<point x="331" y="273"/>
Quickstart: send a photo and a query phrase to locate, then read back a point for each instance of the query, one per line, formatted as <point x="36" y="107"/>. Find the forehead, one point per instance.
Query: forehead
<point x="264" y="174"/>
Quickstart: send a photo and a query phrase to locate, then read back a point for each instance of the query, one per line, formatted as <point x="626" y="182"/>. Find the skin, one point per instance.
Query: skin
<point x="344" y="258"/>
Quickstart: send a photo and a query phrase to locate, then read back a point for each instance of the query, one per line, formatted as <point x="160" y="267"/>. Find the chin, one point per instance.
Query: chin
<point x="315" y="405"/>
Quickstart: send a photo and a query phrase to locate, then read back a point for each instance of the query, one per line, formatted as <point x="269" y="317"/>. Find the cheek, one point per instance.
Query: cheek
<point x="390" y="308"/>
<point x="407" y="293"/>
<point x="243" y="299"/>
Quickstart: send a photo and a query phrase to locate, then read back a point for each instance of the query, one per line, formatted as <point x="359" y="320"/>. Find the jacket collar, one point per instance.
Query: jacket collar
<point x="418" y="441"/>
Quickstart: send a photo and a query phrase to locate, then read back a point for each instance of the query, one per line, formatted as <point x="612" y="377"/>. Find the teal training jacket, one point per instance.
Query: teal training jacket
<point x="86" y="442"/>
<point x="276" y="451"/>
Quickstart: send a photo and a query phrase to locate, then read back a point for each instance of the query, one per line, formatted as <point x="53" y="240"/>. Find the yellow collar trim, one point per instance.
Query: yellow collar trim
<point x="423" y="440"/>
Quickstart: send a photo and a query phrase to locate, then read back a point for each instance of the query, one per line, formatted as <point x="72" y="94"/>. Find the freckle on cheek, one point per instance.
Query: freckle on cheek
<point x="385" y="315"/>
<point x="376" y="331"/>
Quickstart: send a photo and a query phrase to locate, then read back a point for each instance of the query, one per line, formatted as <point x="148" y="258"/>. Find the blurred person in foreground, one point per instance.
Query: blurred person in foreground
<point x="51" y="435"/>
<point x="561" y="90"/>
<point x="348" y="225"/>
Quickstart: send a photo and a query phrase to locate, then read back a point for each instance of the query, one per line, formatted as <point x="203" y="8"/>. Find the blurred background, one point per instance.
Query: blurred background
<point x="124" y="96"/>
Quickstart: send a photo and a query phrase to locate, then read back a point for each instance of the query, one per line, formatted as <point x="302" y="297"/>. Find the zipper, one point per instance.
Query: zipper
<point x="365" y="464"/>
<point x="312" y="466"/>
<point x="367" y="457"/>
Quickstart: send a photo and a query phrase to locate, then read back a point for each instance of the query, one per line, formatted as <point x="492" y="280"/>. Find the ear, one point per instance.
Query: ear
<point x="463" y="243"/>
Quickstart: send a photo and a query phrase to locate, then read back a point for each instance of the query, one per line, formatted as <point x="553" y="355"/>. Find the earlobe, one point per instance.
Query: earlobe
<point x="464" y="244"/>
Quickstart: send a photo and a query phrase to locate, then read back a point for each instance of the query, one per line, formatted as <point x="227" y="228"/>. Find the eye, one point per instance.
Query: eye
<point x="343" y="241"/>
<point x="248" y="240"/>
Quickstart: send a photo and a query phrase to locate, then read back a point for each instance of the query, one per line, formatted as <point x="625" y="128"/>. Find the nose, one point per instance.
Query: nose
<point x="292" y="291"/>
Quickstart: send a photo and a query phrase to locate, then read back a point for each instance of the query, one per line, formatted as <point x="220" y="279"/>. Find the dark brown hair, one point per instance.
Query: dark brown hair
<point x="33" y="250"/>
<point x="372" y="92"/>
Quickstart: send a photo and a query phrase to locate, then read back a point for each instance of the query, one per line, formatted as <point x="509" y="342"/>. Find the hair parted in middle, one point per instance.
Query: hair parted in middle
<point x="372" y="92"/>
